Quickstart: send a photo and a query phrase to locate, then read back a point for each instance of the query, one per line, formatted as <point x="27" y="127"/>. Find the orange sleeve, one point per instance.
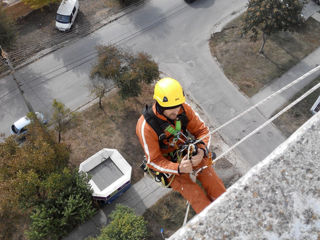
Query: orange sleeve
<point x="196" y="126"/>
<point x="149" y="141"/>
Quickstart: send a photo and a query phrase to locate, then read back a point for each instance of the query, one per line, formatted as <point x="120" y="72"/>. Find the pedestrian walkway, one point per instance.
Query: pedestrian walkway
<point x="139" y="196"/>
<point x="269" y="108"/>
<point x="304" y="66"/>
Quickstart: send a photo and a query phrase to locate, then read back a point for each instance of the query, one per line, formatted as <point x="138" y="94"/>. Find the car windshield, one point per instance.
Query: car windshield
<point x="63" y="18"/>
<point x="14" y="129"/>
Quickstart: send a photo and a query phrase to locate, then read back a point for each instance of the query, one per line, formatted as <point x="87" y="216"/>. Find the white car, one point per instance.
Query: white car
<point x="19" y="126"/>
<point x="66" y="14"/>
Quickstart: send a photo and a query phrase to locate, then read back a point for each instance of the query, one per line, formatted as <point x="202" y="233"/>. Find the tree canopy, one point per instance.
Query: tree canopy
<point x="68" y="204"/>
<point x="270" y="16"/>
<point x="24" y="168"/>
<point x="35" y="179"/>
<point x="125" y="69"/>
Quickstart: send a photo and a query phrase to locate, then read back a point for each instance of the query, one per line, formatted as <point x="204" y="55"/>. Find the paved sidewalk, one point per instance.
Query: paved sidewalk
<point x="307" y="64"/>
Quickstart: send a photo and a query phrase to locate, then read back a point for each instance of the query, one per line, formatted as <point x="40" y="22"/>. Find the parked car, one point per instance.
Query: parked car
<point x="19" y="127"/>
<point x="66" y="14"/>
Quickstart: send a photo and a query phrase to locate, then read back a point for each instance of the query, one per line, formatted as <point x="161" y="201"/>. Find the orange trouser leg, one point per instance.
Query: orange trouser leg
<point x="211" y="183"/>
<point x="191" y="191"/>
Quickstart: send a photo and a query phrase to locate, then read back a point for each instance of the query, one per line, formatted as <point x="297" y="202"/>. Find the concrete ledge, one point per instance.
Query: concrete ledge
<point x="277" y="199"/>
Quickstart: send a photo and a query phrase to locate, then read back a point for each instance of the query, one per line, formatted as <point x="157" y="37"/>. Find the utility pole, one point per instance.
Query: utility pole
<point x="6" y="59"/>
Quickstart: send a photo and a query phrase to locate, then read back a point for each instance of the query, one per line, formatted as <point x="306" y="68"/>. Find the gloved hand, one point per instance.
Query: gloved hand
<point x="185" y="165"/>
<point x="196" y="159"/>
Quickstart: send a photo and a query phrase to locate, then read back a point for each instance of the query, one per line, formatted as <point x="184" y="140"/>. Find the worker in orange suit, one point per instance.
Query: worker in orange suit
<point x="162" y="130"/>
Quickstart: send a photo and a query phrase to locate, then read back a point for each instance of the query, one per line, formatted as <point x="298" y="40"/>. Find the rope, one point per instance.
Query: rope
<point x="187" y="213"/>
<point x="262" y="101"/>
<point x="269" y="121"/>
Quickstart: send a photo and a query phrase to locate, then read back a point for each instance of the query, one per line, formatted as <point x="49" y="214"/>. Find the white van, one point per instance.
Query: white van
<point x="66" y="14"/>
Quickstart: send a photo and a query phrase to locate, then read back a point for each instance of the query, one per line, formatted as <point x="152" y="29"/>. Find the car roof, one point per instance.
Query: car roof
<point x="66" y="7"/>
<point x="22" y="122"/>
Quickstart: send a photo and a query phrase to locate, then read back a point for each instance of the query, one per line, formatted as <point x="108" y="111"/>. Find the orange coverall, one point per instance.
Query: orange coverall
<point x="182" y="183"/>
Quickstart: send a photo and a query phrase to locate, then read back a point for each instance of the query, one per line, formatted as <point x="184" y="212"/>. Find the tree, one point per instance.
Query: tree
<point x="35" y="4"/>
<point x="270" y="16"/>
<point x="124" y="225"/>
<point x="99" y="89"/>
<point x="7" y="30"/>
<point x="23" y="172"/>
<point x="62" y="117"/>
<point x="126" y="70"/>
<point x="24" y="168"/>
<point x="68" y="204"/>
<point x="34" y="177"/>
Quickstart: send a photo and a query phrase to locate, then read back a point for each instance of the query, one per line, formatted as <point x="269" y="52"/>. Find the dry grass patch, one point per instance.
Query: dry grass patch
<point x="242" y="64"/>
<point x="291" y="120"/>
<point x="168" y="213"/>
<point x="114" y="127"/>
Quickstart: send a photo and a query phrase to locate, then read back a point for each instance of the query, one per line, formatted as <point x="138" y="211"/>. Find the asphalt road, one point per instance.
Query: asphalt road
<point x="176" y="35"/>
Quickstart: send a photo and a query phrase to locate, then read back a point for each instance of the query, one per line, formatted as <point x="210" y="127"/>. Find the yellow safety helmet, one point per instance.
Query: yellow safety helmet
<point x="168" y="92"/>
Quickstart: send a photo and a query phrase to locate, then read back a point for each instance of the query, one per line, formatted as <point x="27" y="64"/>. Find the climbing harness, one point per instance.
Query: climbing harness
<point x="177" y="137"/>
<point x="176" y="156"/>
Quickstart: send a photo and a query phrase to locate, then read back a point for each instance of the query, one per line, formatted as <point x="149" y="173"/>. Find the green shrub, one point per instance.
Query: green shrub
<point x="124" y="225"/>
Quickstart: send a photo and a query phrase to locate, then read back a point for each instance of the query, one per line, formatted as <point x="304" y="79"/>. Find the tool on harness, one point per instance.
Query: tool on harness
<point x="159" y="177"/>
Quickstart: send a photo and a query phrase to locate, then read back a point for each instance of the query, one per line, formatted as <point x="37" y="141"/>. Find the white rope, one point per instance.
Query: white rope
<point x="262" y="101"/>
<point x="187" y="213"/>
<point x="269" y="121"/>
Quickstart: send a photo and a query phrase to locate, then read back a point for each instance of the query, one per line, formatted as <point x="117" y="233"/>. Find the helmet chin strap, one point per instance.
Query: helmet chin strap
<point x="159" y="108"/>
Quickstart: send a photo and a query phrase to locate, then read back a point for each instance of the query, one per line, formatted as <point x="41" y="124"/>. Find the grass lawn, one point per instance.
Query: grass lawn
<point x="250" y="71"/>
<point x="113" y="127"/>
<point x="291" y="120"/>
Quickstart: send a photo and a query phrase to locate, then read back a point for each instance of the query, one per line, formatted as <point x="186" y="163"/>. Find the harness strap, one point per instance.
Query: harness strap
<point x="161" y="126"/>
